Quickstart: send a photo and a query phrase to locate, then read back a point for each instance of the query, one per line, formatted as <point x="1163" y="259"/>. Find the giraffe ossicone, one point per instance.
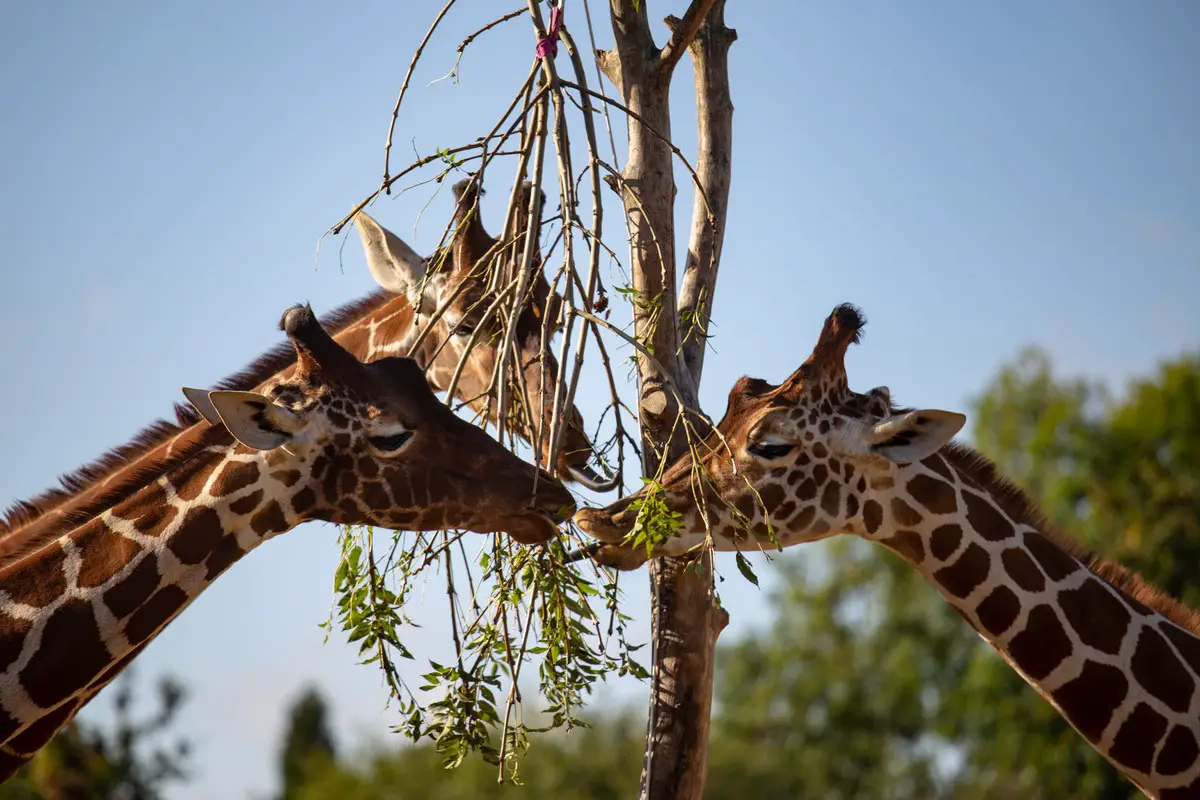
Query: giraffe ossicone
<point x="337" y="440"/>
<point x="810" y="458"/>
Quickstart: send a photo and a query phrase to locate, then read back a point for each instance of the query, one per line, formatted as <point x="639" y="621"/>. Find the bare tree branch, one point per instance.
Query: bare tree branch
<point x="683" y="32"/>
<point x="714" y="116"/>
<point x="412" y="65"/>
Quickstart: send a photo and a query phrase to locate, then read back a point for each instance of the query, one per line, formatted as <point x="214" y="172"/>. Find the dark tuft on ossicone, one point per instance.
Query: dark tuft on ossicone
<point x="296" y="319"/>
<point x="848" y="320"/>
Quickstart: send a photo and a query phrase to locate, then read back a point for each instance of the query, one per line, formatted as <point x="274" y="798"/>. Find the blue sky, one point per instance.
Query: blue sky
<point x="975" y="177"/>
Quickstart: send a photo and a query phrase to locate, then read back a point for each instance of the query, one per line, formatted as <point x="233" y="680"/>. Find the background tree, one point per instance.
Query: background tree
<point x="308" y="742"/>
<point x="135" y="759"/>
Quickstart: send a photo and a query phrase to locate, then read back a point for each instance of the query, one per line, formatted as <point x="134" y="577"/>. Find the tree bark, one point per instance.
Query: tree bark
<point x="685" y="619"/>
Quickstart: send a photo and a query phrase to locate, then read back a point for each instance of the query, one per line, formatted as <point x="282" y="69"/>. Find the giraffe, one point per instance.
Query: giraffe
<point x="810" y="458"/>
<point x="338" y="440"/>
<point x="381" y="324"/>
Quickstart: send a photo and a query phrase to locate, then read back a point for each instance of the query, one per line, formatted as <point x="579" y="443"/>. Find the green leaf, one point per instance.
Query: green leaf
<point x="743" y="565"/>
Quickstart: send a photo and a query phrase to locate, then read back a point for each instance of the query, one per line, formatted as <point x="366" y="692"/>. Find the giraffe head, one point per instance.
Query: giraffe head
<point x="371" y="444"/>
<point x="790" y="463"/>
<point x="472" y="328"/>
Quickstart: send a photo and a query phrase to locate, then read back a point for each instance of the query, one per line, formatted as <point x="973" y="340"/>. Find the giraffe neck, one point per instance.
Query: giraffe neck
<point x="78" y="609"/>
<point x="1123" y="674"/>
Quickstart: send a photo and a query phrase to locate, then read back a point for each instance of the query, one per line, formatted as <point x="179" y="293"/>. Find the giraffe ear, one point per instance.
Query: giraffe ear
<point x="254" y="420"/>
<point x="199" y="400"/>
<point x="913" y="435"/>
<point x="394" y="265"/>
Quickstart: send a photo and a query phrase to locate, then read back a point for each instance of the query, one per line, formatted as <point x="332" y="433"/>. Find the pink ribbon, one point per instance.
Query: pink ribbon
<point x="548" y="44"/>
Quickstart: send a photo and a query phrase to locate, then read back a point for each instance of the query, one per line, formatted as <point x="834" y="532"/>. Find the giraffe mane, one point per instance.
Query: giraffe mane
<point x="1018" y="505"/>
<point x="279" y="357"/>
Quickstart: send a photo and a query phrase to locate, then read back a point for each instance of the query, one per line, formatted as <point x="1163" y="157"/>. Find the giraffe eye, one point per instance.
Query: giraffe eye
<point x="770" y="451"/>
<point x="390" y="443"/>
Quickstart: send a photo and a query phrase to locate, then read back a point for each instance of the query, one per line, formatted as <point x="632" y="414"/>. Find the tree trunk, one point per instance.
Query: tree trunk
<point x="686" y="619"/>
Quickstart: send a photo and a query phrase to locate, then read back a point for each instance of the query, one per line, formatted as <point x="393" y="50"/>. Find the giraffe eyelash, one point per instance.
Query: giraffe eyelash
<point x="390" y="442"/>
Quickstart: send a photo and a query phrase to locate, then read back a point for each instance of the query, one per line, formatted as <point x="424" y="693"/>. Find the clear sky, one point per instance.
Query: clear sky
<point x="975" y="176"/>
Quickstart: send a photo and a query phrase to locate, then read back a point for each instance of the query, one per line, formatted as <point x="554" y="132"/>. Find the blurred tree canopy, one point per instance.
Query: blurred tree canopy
<point x="866" y="685"/>
<point x="135" y="759"/>
<point x="308" y="744"/>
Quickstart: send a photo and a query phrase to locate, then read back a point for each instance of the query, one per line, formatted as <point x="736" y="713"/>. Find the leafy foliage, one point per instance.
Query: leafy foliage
<point x="520" y="605"/>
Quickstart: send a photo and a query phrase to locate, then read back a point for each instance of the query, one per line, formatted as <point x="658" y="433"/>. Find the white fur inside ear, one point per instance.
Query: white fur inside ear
<point x="254" y="420"/>
<point x="394" y="265"/>
<point x="914" y="435"/>
<point x="199" y="400"/>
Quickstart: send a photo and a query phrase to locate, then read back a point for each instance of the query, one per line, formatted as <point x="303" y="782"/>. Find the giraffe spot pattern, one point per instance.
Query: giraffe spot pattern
<point x="12" y="639"/>
<point x="1187" y="644"/>
<point x="999" y="610"/>
<point x="290" y="477"/>
<point x="806" y="490"/>
<point x="43" y="580"/>
<point x="1098" y="617"/>
<point x="70" y="655"/>
<point x="304" y="500"/>
<point x="148" y="510"/>
<point x="127" y="594"/>
<point x="908" y="544"/>
<point x="1090" y="699"/>
<point x="269" y="520"/>
<point x="38" y="733"/>
<point x="234" y="476"/>
<point x="1178" y="753"/>
<point x="872" y="515"/>
<point x="937" y="496"/>
<point x="1189" y="792"/>
<point x="1134" y="743"/>
<point x="831" y="499"/>
<point x="803" y="520"/>
<point x="772" y="496"/>
<point x="970" y="570"/>
<point x="8" y="725"/>
<point x="198" y="535"/>
<point x="222" y="557"/>
<point x="938" y="464"/>
<point x="986" y="519"/>
<point x="103" y="555"/>
<point x="375" y="496"/>
<point x="154" y="613"/>
<point x="905" y="515"/>
<point x="944" y="540"/>
<point x="1042" y="645"/>
<point x="1160" y="672"/>
<point x="1023" y="570"/>
<point x="189" y="478"/>
<point x="820" y="474"/>
<point x="1054" y="562"/>
<point x="244" y="505"/>
<point x="785" y="511"/>
<point x="851" y="505"/>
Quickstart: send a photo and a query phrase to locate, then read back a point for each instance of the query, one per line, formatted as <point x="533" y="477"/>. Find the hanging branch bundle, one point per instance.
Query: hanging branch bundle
<point x="510" y="605"/>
